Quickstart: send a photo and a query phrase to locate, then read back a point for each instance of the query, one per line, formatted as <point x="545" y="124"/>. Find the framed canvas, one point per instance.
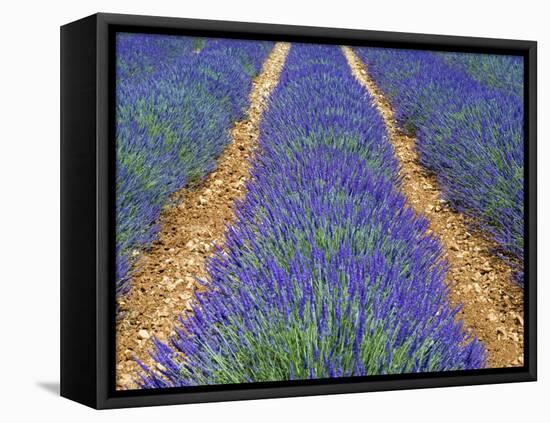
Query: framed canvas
<point x="257" y="211"/>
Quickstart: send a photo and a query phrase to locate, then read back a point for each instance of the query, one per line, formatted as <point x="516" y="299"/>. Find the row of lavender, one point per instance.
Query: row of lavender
<point x="467" y="113"/>
<point x="142" y="54"/>
<point x="327" y="272"/>
<point x="503" y="72"/>
<point x="175" y="107"/>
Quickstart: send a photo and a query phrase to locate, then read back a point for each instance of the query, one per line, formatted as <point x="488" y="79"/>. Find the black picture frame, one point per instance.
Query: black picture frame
<point x="87" y="231"/>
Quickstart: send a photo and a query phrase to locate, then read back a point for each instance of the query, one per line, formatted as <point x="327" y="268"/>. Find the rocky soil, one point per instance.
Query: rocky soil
<point x="492" y="305"/>
<point x="166" y="275"/>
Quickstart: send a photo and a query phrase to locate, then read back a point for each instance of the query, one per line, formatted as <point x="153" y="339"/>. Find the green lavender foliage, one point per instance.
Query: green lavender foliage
<point x="326" y="271"/>
<point x="175" y="106"/>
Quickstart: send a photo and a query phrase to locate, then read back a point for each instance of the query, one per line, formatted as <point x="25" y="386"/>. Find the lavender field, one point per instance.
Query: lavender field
<point x="301" y="211"/>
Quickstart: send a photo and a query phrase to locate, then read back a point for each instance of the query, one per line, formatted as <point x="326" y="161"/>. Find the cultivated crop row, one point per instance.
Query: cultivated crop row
<point x="175" y="108"/>
<point x="503" y="72"/>
<point x="142" y="54"/>
<point x="469" y="129"/>
<point x="326" y="272"/>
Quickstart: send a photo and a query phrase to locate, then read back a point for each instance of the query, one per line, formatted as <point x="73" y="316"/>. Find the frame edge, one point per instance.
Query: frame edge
<point x="103" y="398"/>
<point x="77" y="174"/>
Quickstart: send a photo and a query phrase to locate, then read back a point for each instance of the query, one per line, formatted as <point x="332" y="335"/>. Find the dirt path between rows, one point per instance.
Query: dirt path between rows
<point x="492" y="304"/>
<point x="165" y="278"/>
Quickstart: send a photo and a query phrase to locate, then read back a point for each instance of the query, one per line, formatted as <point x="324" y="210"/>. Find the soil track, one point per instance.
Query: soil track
<point x="165" y="278"/>
<point x="492" y="305"/>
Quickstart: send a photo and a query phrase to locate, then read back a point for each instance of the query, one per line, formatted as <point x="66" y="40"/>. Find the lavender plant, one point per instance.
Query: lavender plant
<point x="494" y="70"/>
<point x="326" y="272"/>
<point x="174" y="112"/>
<point x="142" y="54"/>
<point x="468" y="120"/>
